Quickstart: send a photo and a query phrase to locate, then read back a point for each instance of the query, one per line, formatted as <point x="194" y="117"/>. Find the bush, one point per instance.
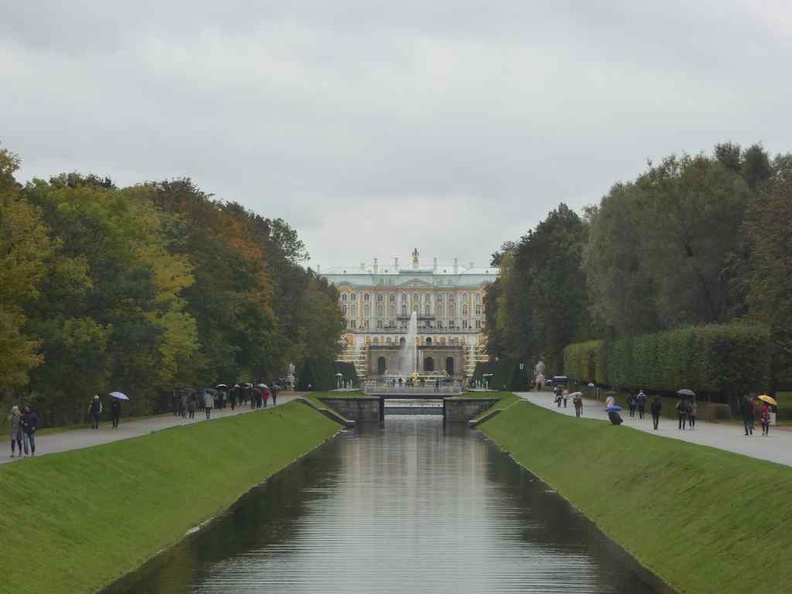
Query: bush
<point x="506" y="374"/>
<point x="717" y="359"/>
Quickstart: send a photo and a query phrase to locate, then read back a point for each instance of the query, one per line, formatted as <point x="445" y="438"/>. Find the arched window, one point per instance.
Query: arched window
<point x="344" y="309"/>
<point x="380" y="310"/>
<point x="464" y="324"/>
<point x="366" y="310"/>
<point x="451" y="311"/>
<point x="388" y="340"/>
<point x="478" y="298"/>
<point x="450" y="365"/>
<point x="392" y="311"/>
<point x="392" y="298"/>
<point x="343" y="296"/>
<point x="428" y="364"/>
<point x="402" y="341"/>
<point x="381" y="366"/>
<point x="404" y="297"/>
<point x="415" y="297"/>
<point x="379" y="298"/>
<point x="353" y="310"/>
<point x="428" y="341"/>
<point x="366" y="296"/>
<point x="404" y="310"/>
<point x="354" y="296"/>
<point x="439" y="299"/>
<point x="427" y="309"/>
<point x="440" y="311"/>
<point x="464" y="310"/>
<point x="478" y="310"/>
<point x="375" y="340"/>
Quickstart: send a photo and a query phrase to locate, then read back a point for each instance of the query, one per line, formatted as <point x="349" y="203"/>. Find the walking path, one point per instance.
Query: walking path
<point x="777" y="447"/>
<point x="128" y="428"/>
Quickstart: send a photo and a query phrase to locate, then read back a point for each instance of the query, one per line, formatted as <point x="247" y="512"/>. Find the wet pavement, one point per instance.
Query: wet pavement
<point x="77" y="439"/>
<point x="777" y="447"/>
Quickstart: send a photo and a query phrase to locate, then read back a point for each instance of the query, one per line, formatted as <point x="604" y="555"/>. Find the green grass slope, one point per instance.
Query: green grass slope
<point x="74" y="522"/>
<point x="703" y="519"/>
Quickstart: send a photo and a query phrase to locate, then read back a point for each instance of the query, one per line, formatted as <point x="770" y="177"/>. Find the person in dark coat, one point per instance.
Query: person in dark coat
<point x="640" y="401"/>
<point x="95" y="408"/>
<point x="30" y="422"/>
<point x="115" y="412"/>
<point x="682" y="411"/>
<point x="274" y="392"/>
<point x="615" y="418"/>
<point x="631" y="403"/>
<point x="657" y="406"/>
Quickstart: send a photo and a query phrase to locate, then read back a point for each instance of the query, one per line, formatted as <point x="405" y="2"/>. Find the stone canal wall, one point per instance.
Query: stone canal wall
<point x="361" y="409"/>
<point x="461" y="410"/>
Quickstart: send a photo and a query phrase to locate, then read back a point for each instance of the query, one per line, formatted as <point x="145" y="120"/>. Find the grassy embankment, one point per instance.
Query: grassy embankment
<point x="703" y="519"/>
<point x="76" y="521"/>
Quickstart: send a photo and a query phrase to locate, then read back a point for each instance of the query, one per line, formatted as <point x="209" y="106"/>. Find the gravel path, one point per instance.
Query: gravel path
<point x="777" y="447"/>
<point x="127" y="429"/>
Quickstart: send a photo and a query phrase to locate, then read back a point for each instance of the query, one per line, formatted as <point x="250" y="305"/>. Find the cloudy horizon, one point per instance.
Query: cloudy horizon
<point x="373" y="130"/>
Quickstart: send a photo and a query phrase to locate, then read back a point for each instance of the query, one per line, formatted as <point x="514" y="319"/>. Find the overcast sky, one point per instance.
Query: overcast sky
<point x="377" y="127"/>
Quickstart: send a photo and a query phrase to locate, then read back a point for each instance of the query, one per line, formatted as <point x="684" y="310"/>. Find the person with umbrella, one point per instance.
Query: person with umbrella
<point x="640" y="400"/>
<point x="115" y="406"/>
<point x="764" y="415"/>
<point x="683" y="407"/>
<point x="577" y="402"/>
<point x="613" y="414"/>
<point x="95" y="408"/>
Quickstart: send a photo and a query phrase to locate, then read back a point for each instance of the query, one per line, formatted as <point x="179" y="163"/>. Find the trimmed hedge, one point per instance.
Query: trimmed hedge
<point x="726" y="359"/>
<point x="506" y="374"/>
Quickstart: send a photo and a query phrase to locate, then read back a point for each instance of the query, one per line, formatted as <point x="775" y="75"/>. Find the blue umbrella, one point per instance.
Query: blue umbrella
<point x="612" y="408"/>
<point x="118" y="395"/>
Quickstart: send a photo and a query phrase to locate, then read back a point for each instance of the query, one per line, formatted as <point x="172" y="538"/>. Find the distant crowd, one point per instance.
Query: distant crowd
<point x="185" y="402"/>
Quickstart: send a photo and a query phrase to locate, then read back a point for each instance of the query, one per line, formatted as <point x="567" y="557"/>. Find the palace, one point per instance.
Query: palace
<point x="378" y="302"/>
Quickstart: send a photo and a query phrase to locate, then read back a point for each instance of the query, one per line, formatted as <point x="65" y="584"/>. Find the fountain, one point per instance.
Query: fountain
<point x="408" y="354"/>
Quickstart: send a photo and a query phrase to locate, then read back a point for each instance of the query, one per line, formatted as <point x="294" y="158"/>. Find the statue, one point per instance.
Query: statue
<point x="290" y="379"/>
<point x="415" y="257"/>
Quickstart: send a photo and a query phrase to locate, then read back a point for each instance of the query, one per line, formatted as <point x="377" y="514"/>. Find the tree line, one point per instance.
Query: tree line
<point x="145" y="288"/>
<point x="694" y="240"/>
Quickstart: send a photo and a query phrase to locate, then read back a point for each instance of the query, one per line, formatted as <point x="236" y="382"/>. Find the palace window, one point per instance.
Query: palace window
<point x="366" y="324"/>
<point x="439" y="299"/>
<point x="353" y="310"/>
<point x="427" y="310"/>
<point x="380" y="310"/>
<point x="379" y="298"/>
<point x="440" y="311"/>
<point x="464" y="310"/>
<point x="478" y="298"/>
<point x="379" y="325"/>
<point x="366" y="296"/>
<point x="464" y="324"/>
<point x="343" y="296"/>
<point x="478" y="310"/>
<point x="451" y="324"/>
<point x="354" y="296"/>
<point x="404" y="297"/>
<point x="366" y="310"/>
<point x="392" y="298"/>
<point x="392" y="311"/>
<point x="478" y="324"/>
<point x="344" y="309"/>
<point x="352" y="324"/>
<point x="404" y="310"/>
<point x="451" y="311"/>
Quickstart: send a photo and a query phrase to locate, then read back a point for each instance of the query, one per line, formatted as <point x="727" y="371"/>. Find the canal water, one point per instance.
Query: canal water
<point x="411" y="507"/>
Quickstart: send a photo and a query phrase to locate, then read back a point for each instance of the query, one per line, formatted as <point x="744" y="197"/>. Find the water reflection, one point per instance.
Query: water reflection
<point x="412" y="507"/>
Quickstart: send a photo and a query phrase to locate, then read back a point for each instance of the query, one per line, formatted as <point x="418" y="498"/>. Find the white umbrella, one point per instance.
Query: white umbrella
<point x="118" y="395"/>
<point x="573" y="394"/>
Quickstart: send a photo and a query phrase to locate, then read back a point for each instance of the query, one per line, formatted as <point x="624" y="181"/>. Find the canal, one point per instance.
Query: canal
<point x="411" y="507"/>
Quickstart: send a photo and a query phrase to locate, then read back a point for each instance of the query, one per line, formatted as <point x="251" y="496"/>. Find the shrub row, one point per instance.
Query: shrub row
<point x="726" y="359"/>
<point x="504" y="374"/>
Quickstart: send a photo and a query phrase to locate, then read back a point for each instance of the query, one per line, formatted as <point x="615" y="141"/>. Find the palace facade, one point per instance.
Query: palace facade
<point x="378" y="301"/>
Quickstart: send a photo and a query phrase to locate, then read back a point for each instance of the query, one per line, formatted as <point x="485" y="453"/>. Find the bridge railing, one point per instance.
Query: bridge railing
<point x="442" y="390"/>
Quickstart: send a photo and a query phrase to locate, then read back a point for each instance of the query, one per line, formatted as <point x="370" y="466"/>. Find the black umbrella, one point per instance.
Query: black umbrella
<point x="686" y="392"/>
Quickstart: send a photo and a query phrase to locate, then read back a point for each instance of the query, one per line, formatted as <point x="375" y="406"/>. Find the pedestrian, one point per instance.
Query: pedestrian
<point x="640" y="400"/>
<point x="115" y="412"/>
<point x="265" y="394"/>
<point x="682" y="411"/>
<point x="208" y="403"/>
<point x="577" y="402"/>
<point x="233" y="395"/>
<point x="692" y="412"/>
<point x="610" y="400"/>
<point x="30" y="422"/>
<point x="615" y="418"/>
<point x="192" y="404"/>
<point x="764" y="419"/>
<point x="274" y="392"/>
<point x="15" y="430"/>
<point x="558" y="392"/>
<point x="745" y="404"/>
<point x="631" y="403"/>
<point x="564" y="396"/>
<point x="95" y="408"/>
<point x="657" y="406"/>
